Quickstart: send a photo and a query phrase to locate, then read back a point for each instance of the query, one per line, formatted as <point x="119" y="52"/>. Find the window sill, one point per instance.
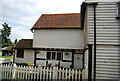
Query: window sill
<point x="118" y="17"/>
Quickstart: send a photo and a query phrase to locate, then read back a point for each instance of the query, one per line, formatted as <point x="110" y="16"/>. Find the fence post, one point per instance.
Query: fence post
<point x="55" y="71"/>
<point x="14" y="70"/>
<point x="0" y="71"/>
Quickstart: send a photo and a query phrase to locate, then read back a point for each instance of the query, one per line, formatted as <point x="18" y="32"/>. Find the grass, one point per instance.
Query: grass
<point x="10" y="57"/>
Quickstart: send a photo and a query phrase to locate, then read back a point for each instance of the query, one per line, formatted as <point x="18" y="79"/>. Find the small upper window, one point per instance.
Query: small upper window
<point x="119" y="9"/>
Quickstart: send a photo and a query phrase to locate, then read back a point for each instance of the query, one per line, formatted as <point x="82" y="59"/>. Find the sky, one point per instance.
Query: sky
<point x="21" y="15"/>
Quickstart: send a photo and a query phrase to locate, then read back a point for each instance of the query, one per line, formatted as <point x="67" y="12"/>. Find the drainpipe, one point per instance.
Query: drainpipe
<point x="94" y="42"/>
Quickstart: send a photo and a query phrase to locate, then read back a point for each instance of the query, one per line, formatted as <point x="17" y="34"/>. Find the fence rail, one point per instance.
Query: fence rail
<point x="40" y="73"/>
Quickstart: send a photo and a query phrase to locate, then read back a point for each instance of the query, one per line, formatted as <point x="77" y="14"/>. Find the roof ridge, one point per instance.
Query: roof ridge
<point x="26" y="39"/>
<point x="62" y="14"/>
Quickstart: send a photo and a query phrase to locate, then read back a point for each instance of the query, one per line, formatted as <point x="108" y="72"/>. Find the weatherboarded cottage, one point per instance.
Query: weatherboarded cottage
<point x="100" y="20"/>
<point x="58" y="41"/>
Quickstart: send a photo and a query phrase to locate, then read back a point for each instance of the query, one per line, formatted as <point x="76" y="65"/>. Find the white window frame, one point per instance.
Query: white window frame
<point x="56" y="52"/>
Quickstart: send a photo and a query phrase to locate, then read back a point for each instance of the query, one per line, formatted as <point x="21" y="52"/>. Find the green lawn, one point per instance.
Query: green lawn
<point x="11" y="57"/>
<point x="0" y="54"/>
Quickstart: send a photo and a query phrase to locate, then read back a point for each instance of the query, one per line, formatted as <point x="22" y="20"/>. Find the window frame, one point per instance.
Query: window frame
<point x="118" y="10"/>
<point x="20" y="53"/>
<point x="52" y="55"/>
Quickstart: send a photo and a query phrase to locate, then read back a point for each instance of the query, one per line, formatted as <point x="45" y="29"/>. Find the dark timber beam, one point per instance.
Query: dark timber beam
<point x="35" y="54"/>
<point x="89" y="62"/>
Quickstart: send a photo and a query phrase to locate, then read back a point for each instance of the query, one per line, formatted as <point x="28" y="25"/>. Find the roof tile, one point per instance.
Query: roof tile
<point x="71" y="20"/>
<point x="24" y="43"/>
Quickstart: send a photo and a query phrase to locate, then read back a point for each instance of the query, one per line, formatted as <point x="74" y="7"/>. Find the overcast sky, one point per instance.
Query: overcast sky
<point x="22" y="14"/>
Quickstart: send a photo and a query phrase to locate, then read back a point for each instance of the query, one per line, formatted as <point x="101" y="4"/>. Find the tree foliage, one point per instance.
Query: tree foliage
<point x="16" y="41"/>
<point x="6" y="31"/>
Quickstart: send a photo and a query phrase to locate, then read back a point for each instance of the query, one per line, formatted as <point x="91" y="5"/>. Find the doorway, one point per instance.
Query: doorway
<point x="78" y="61"/>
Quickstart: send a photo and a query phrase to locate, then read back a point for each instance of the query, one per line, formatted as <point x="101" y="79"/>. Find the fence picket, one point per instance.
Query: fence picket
<point x="66" y="74"/>
<point x="5" y="72"/>
<point x="76" y="74"/>
<point x="56" y="73"/>
<point x="83" y="74"/>
<point x="50" y="74"/>
<point x="11" y="71"/>
<point x="79" y="74"/>
<point x="69" y="75"/>
<point x="31" y="73"/>
<point x="23" y="72"/>
<point x="21" y="69"/>
<point x="41" y="72"/>
<point x="37" y="75"/>
<point x="28" y="73"/>
<point x="35" y="72"/>
<point x="59" y="74"/>
<point x="47" y="74"/>
<point x="72" y="74"/>
<point x="44" y="73"/>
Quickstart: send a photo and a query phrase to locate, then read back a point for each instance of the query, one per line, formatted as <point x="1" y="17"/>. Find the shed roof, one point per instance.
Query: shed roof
<point x="71" y="20"/>
<point x="24" y="43"/>
<point x="7" y="48"/>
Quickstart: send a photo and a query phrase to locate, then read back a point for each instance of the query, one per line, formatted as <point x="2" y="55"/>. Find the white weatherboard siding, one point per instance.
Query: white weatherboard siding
<point x="107" y="62"/>
<point x="86" y="28"/>
<point x="106" y="24"/>
<point x="58" y="38"/>
<point x="107" y="55"/>
<point x="28" y="57"/>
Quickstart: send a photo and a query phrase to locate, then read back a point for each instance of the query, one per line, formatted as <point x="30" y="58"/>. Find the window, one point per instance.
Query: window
<point x="118" y="11"/>
<point x="58" y="55"/>
<point x="48" y="55"/>
<point x="54" y="55"/>
<point x="20" y="53"/>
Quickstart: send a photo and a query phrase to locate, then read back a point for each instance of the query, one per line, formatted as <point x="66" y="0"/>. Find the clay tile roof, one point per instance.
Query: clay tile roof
<point x="71" y="20"/>
<point x="24" y="43"/>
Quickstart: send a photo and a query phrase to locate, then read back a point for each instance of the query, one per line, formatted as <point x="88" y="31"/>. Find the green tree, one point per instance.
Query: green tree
<point x="16" y="41"/>
<point x="6" y="31"/>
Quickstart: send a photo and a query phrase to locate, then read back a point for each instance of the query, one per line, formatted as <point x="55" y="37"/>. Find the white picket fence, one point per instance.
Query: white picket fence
<point x="40" y="73"/>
